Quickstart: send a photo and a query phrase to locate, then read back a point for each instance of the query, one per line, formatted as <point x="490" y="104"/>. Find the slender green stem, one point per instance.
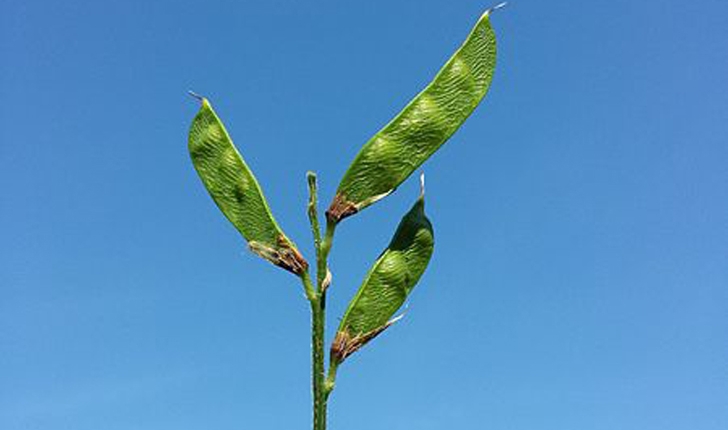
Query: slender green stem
<point x="318" y="316"/>
<point x="318" y="321"/>
<point x="313" y="219"/>
<point x="330" y="379"/>
<point x="327" y="241"/>
<point x="317" y="298"/>
<point x="317" y="351"/>
<point x="308" y="287"/>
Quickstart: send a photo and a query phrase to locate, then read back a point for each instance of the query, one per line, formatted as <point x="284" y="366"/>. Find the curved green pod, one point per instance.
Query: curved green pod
<point x="236" y="191"/>
<point x="424" y="125"/>
<point x="388" y="283"/>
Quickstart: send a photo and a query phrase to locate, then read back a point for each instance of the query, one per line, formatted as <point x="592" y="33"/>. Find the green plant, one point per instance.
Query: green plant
<point x="384" y="162"/>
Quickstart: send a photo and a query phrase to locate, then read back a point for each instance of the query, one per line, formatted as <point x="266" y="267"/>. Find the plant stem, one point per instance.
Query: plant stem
<point x="317" y="298"/>
<point x="318" y="324"/>
<point x="330" y="379"/>
<point x="327" y="242"/>
<point x="313" y="218"/>
<point x="308" y="286"/>
<point x="318" y="320"/>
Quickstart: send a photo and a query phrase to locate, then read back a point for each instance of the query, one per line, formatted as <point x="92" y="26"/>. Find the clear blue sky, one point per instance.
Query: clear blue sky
<point x="580" y="277"/>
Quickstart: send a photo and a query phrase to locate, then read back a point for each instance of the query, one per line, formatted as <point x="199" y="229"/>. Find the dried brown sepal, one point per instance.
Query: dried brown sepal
<point x="340" y="208"/>
<point x="284" y="256"/>
<point x="345" y="344"/>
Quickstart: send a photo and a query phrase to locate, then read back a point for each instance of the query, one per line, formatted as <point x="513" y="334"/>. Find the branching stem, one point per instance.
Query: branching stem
<point x="317" y="298"/>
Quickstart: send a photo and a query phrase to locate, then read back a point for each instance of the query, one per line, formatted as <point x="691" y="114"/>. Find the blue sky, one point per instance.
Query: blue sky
<point x="581" y="269"/>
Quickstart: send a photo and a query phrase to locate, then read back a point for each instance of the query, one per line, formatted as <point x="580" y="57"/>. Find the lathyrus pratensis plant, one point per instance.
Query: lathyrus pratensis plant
<point x="384" y="162"/>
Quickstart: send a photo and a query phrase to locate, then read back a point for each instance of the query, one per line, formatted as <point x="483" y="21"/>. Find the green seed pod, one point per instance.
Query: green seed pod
<point x="424" y="125"/>
<point x="236" y="191"/>
<point x="387" y="285"/>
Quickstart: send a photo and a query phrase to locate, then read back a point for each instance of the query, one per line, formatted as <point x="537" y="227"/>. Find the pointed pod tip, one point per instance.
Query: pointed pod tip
<point x="201" y="99"/>
<point x="494" y="8"/>
<point x="396" y="319"/>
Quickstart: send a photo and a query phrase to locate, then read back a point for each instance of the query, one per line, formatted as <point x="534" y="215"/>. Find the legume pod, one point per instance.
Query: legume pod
<point x="236" y="191"/>
<point x="388" y="283"/>
<point x="424" y="125"/>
